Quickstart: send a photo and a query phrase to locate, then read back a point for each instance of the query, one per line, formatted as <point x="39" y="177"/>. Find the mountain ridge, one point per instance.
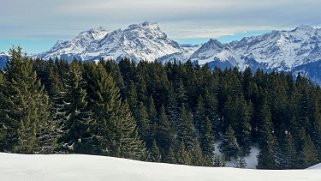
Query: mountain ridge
<point x="291" y="51"/>
<point x="138" y="42"/>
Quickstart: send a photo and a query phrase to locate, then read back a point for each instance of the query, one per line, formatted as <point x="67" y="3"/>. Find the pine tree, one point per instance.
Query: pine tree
<point x="170" y="157"/>
<point x="143" y="124"/>
<point x="24" y="111"/>
<point x="185" y="130"/>
<point x="207" y="142"/>
<point x="289" y="154"/>
<point x="132" y="99"/>
<point x="114" y="126"/>
<point x="153" y="121"/>
<point x="316" y="125"/>
<point x="196" y="155"/>
<point x="154" y="155"/>
<point x="199" y="116"/>
<point x="308" y="155"/>
<point x="229" y="145"/>
<point x="75" y="115"/>
<point x="267" y="143"/>
<point x="181" y="93"/>
<point x="183" y="156"/>
<point x="164" y="134"/>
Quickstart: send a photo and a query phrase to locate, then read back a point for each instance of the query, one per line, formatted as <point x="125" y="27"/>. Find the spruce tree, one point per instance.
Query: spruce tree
<point x="207" y="142"/>
<point x="229" y="146"/>
<point x="24" y="111"/>
<point x="75" y="114"/>
<point x="289" y="154"/>
<point x="170" y="157"/>
<point x="308" y="154"/>
<point x="114" y="126"/>
<point x="196" y="155"/>
<point x="164" y="134"/>
<point x="183" y="156"/>
<point x="154" y="153"/>
<point x="186" y="133"/>
<point x="266" y="157"/>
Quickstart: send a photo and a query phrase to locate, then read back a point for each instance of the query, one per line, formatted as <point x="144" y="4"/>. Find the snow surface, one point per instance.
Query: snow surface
<point x="15" y="167"/>
<point x="315" y="167"/>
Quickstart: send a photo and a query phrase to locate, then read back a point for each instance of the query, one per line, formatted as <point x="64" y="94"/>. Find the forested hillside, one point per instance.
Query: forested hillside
<point x="171" y="113"/>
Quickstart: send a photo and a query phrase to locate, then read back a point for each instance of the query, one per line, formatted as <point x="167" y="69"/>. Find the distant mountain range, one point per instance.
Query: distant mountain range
<point x="298" y="50"/>
<point x="138" y="42"/>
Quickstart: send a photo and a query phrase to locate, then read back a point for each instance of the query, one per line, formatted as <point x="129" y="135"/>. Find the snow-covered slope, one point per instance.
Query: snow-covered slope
<point x="278" y="50"/>
<point x="82" y="168"/>
<point x="315" y="167"/>
<point x="186" y="51"/>
<point x="138" y="42"/>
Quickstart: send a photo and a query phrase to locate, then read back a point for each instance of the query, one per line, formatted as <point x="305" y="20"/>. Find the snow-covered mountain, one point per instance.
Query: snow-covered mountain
<point x="15" y="167"/>
<point x="143" y="41"/>
<point x="295" y="51"/>
<point x="186" y="51"/>
<point x="278" y="50"/>
<point x="3" y="59"/>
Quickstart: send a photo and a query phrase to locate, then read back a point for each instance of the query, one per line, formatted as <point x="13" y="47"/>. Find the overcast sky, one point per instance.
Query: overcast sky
<point x="37" y="24"/>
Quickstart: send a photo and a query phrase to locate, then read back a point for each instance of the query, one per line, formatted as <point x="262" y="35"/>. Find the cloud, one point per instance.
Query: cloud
<point x="63" y="19"/>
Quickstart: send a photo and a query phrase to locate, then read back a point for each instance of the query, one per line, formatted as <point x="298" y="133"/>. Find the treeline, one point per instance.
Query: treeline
<point x="172" y="113"/>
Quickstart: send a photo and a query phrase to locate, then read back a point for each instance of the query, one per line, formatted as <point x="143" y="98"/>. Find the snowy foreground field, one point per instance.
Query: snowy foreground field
<point x="15" y="167"/>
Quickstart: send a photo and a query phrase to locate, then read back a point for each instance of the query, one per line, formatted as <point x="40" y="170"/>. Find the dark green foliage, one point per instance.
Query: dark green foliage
<point x="288" y="158"/>
<point x="154" y="153"/>
<point x="197" y="156"/>
<point x="170" y="156"/>
<point x="207" y="142"/>
<point x="24" y="114"/>
<point x="308" y="154"/>
<point x="113" y="128"/>
<point x="76" y="117"/>
<point x="163" y="133"/>
<point x="229" y="146"/>
<point x="266" y="157"/>
<point x="186" y="133"/>
<point x="182" y="155"/>
<point x="169" y="113"/>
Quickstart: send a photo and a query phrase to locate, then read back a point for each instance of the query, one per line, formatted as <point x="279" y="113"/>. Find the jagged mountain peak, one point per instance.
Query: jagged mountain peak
<point x="93" y="34"/>
<point x="277" y="50"/>
<point x="144" y="41"/>
<point x="304" y="28"/>
<point x="208" y="51"/>
<point x="145" y="25"/>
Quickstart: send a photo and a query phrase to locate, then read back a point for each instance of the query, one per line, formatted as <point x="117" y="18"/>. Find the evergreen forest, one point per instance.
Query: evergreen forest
<point x="170" y="113"/>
